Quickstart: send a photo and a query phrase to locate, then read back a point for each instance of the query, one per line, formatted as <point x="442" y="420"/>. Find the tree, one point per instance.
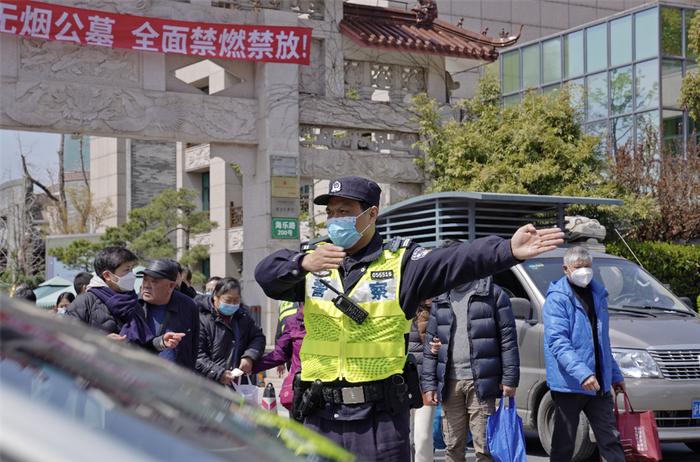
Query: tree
<point x="536" y="147"/>
<point x="90" y="214"/>
<point x="149" y="231"/>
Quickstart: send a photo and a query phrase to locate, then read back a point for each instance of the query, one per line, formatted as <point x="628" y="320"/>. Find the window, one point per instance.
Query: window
<point x="648" y="131"/>
<point x="621" y="41"/>
<point x="600" y="130"/>
<point x="576" y="95"/>
<point x="510" y="284"/>
<point x="672" y="126"/>
<point x="689" y="14"/>
<point x="671" y="78"/>
<point x="597" y="96"/>
<point x="573" y="54"/>
<point x="646" y="33"/>
<point x="206" y="268"/>
<point x="671" y="31"/>
<point x="621" y="95"/>
<point x="205" y="191"/>
<point x="551" y="61"/>
<point x="597" y="46"/>
<point x="510" y="101"/>
<point x="511" y="71"/>
<point x="551" y="89"/>
<point x="621" y="134"/>
<point x="531" y="66"/>
<point x="647" y="84"/>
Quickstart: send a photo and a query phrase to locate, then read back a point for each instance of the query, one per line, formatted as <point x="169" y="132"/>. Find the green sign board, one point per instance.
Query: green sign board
<point x="285" y="228"/>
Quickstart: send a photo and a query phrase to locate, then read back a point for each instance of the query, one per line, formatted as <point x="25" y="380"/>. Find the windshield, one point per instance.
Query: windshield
<point x="628" y="285"/>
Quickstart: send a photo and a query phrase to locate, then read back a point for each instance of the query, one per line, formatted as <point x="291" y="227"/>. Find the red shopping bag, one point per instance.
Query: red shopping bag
<point x="638" y="433"/>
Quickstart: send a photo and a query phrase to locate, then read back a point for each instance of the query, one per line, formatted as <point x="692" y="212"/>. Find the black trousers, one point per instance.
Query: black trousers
<point x="599" y="412"/>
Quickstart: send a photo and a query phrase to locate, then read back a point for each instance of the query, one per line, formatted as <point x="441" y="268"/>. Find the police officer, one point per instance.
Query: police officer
<point x="353" y="360"/>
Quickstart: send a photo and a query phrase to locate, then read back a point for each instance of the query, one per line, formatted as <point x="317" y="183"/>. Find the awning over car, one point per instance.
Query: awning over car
<point x="432" y="218"/>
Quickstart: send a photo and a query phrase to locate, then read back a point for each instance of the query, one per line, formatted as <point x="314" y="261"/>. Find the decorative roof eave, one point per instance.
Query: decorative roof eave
<point x="393" y="29"/>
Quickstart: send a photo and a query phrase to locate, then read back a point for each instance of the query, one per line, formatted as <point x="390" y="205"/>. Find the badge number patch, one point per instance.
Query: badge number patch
<point x="382" y="274"/>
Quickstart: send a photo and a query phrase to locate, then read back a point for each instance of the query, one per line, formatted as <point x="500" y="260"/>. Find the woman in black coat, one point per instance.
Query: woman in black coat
<point x="228" y="336"/>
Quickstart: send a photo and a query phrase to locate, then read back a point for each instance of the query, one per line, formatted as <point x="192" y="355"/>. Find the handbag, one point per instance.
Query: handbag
<point x="638" y="433"/>
<point x="504" y="434"/>
<point x="249" y="392"/>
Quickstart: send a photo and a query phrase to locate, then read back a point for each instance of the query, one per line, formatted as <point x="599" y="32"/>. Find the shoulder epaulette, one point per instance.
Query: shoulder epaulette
<point x="396" y="243"/>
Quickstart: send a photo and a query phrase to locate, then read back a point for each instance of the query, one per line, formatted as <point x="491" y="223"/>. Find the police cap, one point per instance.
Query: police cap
<point x="352" y="187"/>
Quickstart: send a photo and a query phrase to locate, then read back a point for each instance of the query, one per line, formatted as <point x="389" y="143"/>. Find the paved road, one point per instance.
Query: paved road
<point x="535" y="453"/>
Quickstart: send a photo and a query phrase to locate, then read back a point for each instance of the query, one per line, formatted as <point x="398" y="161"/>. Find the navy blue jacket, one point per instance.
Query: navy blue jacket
<point x="221" y="344"/>
<point x="569" y="354"/>
<point x="493" y="341"/>
<point x="424" y="275"/>
<point x="183" y="318"/>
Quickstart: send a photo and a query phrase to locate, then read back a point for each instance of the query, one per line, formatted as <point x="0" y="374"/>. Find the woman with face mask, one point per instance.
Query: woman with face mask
<point x="228" y="336"/>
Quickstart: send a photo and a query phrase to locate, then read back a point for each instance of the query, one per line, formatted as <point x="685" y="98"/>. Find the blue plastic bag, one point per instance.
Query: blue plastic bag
<point x="438" y="440"/>
<point x="504" y="434"/>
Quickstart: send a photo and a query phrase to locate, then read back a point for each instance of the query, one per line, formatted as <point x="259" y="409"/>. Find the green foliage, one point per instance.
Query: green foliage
<point x="149" y="232"/>
<point x="674" y="264"/>
<point x="536" y="147"/>
<point x="78" y="254"/>
<point x="690" y="88"/>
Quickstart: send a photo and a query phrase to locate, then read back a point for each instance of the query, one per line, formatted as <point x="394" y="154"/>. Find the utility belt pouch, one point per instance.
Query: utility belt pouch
<point x="311" y="399"/>
<point x="410" y="374"/>
<point x="298" y="388"/>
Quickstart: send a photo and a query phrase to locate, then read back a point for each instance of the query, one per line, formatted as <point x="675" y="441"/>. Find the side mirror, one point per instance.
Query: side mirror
<point x="687" y="302"/>
<point x="522" y="309"/>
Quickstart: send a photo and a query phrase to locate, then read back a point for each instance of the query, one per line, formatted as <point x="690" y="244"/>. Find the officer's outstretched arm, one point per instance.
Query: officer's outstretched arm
<point x="281" y="277"/>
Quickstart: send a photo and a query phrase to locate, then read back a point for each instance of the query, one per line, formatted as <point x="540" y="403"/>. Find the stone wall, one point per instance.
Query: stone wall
<point x="153" y="169"/>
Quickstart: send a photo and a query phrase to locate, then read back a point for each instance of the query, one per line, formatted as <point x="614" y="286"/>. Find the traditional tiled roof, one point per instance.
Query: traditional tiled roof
<point x="394" y="29"/>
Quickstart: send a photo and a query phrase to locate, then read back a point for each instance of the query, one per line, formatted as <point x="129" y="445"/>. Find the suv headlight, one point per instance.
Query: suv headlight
<point x="635" y="363"/>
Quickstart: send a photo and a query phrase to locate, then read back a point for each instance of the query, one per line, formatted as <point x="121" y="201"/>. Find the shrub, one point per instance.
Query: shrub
<point x="675" y="264"/>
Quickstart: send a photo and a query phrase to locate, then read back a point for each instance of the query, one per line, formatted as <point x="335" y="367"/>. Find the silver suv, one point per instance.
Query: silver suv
<point x="654" y="335"/>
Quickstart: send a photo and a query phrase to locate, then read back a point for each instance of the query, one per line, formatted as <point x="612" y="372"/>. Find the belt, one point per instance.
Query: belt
<point x="342" y="393"/>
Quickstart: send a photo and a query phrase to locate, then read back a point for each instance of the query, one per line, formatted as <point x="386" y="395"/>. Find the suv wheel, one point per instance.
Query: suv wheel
<point x="583" y="448"/>
<point x="694" y="446"/>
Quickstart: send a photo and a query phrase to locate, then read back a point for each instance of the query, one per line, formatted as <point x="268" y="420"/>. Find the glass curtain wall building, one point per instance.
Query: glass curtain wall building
<point x="624" y="73"/>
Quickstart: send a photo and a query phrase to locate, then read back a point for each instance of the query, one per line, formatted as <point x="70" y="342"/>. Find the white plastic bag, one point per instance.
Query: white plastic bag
<point x="249" y="392"/>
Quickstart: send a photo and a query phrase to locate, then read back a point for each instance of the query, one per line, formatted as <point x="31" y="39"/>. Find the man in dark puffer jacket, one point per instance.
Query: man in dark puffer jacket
<point x="478" y="361"/>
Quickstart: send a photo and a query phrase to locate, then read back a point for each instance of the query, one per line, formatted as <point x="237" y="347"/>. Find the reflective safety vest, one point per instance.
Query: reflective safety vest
<point x="335" y="346"/>
<point x="286" y="309"/>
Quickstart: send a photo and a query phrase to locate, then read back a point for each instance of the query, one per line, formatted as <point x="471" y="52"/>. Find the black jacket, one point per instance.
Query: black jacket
<point x="492" y="334"/>
<point x="184" y="317"/>
<point x="221" y="346"/>
<point x="88" y="308"/>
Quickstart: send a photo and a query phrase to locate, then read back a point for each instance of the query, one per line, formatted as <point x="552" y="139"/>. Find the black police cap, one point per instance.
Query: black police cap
<point x="352" y="187"/>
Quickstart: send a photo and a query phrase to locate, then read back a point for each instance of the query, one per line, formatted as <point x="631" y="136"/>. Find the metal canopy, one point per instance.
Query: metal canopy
<point x="432" y="218"/>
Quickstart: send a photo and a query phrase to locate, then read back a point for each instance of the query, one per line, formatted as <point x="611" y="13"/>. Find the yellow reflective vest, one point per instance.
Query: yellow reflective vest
<point x="335" y="346"/>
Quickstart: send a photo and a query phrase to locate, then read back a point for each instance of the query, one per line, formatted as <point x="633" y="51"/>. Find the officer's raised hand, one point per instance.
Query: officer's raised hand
<point x="529" y="242"/>
<point x="325" y="257"/>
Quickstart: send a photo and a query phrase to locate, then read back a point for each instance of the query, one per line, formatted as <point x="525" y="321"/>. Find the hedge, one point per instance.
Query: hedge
<point x="674" y="264"/>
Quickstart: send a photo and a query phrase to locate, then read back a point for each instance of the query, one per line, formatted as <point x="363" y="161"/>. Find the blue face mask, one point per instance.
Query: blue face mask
<point x="342" y="231"/>
<point x="227" y="309"/>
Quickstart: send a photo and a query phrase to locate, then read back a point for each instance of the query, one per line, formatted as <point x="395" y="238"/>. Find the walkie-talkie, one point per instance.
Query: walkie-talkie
<point x="346" y="305"/>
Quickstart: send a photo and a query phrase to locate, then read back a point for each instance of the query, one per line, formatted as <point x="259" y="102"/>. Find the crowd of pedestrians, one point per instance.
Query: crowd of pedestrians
<point x="462" y="337"/>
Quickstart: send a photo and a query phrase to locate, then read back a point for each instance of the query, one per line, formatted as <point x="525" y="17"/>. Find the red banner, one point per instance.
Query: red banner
<point x="277" y="44"/>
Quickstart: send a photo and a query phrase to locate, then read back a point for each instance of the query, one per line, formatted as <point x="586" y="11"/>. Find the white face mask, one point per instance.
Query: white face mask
<point x="581" y="276"/>
<point x="126" y="282"/>
<point x="61" y="311"/>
